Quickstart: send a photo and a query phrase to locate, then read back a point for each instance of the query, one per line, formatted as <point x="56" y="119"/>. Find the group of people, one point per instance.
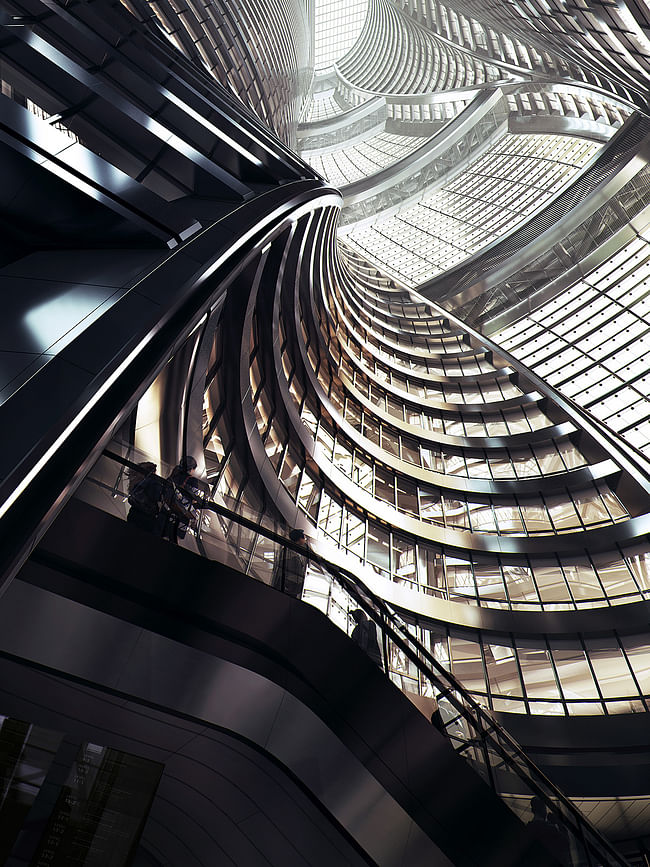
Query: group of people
<point x="165" y="507"/>
<point x="169" y="507"/>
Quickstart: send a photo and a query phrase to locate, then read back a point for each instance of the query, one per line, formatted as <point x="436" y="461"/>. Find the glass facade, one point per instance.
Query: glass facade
<point x="513" y="178"/>
<point x="592" y="341"/>
<point x="353" y="162"/>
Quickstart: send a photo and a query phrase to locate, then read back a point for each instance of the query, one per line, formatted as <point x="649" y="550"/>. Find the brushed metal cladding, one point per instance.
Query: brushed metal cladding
<point x="89" y="367"/>
<point x="273" y="67"/>
<point x="201" y="813"/>
<point x="217" y="611"/>
<point x="167" y="674"/>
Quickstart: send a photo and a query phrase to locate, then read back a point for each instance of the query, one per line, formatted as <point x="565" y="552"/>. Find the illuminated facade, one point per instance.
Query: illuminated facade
<point x="435" y="361"/>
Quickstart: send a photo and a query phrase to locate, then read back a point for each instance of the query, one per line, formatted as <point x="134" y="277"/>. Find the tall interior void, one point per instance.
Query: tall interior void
<point x="382" y="269"/>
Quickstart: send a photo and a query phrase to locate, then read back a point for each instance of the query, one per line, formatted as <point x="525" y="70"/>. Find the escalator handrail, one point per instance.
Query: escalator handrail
<point x="478" y="716"/>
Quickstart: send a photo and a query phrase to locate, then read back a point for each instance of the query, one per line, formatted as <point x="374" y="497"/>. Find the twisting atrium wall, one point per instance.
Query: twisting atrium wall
<point x="477" y="498"/>
<point x="392" y="391"/>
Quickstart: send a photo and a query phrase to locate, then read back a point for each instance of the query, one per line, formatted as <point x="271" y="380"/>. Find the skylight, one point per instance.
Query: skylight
<point x="337" y="26"/>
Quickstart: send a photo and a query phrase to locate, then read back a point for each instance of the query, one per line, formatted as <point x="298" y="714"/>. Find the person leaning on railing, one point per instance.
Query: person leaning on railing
<point x="149" y="499"/>
<point x="164" y="507"/>
<point x="188" y="495"/>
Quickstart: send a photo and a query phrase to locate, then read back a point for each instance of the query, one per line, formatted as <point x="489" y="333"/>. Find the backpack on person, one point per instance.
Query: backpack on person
<point x="145" y="497"/>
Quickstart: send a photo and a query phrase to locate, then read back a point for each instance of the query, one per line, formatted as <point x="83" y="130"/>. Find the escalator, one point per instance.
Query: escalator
<point x="130" y="636"/>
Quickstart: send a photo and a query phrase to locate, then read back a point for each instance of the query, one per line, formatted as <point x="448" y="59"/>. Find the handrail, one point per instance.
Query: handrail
<point x="489" y="734"/>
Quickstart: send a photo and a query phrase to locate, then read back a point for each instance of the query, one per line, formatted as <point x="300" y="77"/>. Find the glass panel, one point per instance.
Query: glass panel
<point x="501" y="466"/>
<point x="431" y="507"/>
<point x="562" y="512"/>
<point x="573" y="671"/>
<point x="343" y="458"/>
<point x="309" y="419"/>
<point x="509" y="520"/>
<point x="467" y="664"/>
<point x="353" y="414"/>
<point x="384" y="485"/>
<point x="614" y="574"/>
<point x="570" y="454"/>
<point x="509" y="705"/>
<point x="454" y="427"/>
<point x="263" y="409"/>
<point x="389" y="441"/>
<point x="545" y="708"/>
<point x="395" y="408"/>
<point x="489" y="580"/>
<point x="638" y="653"/>
<point x="330" y="517"/>
<point x="432" y="460"/>
<point x="404" y="558"/>
<point x="456" y="513"/>
<point x="27" y="753"/>
<point x="495" y="424"/>
<point x="274" y="444"/>
<point x="308" y="496"/>
<point x="502" y="670"/>
<point x="535" y="516"/>
<point x="99" y="812"/>
<point x="325" y="440"/>
<point x="410" y="450"/>
<point x="537" y="671"/>
<point x="590" y="508"/>
<point x="582" y="579"/>
<point x="407" y="497"/>
<point x="612" y="502"/>
<point x="362" y="472"/>
<point x="454" y="464"/>
<point x="548" y="458"/>
<point x="639" y="563"/>
<point x="550" y="581"/>
<point x="525" y="463"/>
<point x="355" y="534"/>
<point x="290" y="473"/>
<point x="230" y="480"/>
<point x="474" y="426"/>
<point x="431" y="568"/>
<point x="460" y="577"/>
<point x="520" y="583"/>
<point x="516" y="421"/>
<point x="482" y="518"/>
<point x="432" y="422"/>
<point x="378" y="547"/>
<point x="477" y="467"/>
<point x="370" y="429"/>
<point x="255" y="376"/>
<point x="610" y="667"/>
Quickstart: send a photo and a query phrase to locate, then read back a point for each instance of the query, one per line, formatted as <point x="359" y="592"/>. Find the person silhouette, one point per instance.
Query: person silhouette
<point x="364" y="635"/>
<point x="188" y="495"/>
<point x="553" y="835"/>
<point x="291" y="566"/>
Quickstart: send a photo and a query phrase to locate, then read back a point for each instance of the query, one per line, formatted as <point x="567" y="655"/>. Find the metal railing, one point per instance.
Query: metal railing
<point x="246" y="544"/>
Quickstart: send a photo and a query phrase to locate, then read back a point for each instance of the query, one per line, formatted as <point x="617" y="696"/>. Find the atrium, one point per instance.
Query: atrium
<point x="382" y="268"/>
